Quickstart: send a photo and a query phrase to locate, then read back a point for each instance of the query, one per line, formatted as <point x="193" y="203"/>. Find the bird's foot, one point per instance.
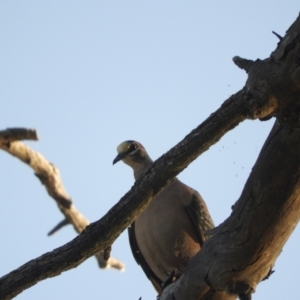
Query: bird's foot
<point x="174" y="275"/>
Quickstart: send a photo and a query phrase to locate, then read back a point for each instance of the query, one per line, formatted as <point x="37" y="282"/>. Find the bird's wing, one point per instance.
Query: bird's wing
<point x="139" y="258"/>
<point x="200" y="216"/>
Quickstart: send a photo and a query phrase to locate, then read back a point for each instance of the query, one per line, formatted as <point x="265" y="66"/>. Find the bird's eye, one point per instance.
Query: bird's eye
<point x="132" y="148"/>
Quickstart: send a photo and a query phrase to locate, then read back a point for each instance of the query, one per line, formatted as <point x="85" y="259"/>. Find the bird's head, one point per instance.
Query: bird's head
<point x="135" y="155"/>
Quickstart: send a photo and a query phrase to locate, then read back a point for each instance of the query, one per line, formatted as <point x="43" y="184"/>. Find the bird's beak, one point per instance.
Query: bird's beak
<point x="119" y="157"/>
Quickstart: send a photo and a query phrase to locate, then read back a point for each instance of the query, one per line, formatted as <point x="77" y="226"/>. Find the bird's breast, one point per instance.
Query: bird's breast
<point x="165" y="234"/>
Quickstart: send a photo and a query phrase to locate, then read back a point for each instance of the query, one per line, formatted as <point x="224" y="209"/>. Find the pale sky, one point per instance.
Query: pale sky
<point x="88" y="75"/>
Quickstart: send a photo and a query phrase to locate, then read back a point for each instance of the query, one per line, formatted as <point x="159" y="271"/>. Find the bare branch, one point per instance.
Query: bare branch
<point x="50" y="178"/>
<point x="60" y="225"/>
<point x="279" y="36"/>
<point x="272" y="89"/>
<point x="101" y="234"/>
<point x="243" y="63"/>
<point x="17" y="134"/>
<point x="244" y="247"/>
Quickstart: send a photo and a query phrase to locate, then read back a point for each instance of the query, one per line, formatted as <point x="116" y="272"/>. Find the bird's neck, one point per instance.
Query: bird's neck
<point x="141" y="168"/>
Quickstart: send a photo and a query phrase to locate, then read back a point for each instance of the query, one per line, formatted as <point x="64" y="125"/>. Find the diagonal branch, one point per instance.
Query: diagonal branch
<point x="272" y="89"/>
<point x="101" y="234"/>
<point x="243" y="249"/>
<point x="50" y="178"/>
<point x="17" y="134"/>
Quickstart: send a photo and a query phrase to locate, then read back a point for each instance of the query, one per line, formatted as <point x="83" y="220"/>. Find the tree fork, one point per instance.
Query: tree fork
<point x="244" y="248"/>
<point x="272" y="89"/>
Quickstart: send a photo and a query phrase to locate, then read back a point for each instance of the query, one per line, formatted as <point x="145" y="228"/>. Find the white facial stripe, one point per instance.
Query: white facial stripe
<point x="123" y="147"/>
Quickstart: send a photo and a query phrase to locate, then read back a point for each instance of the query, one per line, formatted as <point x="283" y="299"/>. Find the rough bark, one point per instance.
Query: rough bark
<point x="101" y="234"/>
<point x="243" y="249"/>
<point x="239" y="254"/>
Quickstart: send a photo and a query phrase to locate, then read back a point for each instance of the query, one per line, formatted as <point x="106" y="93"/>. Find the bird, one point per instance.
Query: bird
<point x="172" y="229"/>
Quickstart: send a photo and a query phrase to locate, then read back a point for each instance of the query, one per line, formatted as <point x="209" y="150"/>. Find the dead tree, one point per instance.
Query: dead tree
<point x="241" y="251"/>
